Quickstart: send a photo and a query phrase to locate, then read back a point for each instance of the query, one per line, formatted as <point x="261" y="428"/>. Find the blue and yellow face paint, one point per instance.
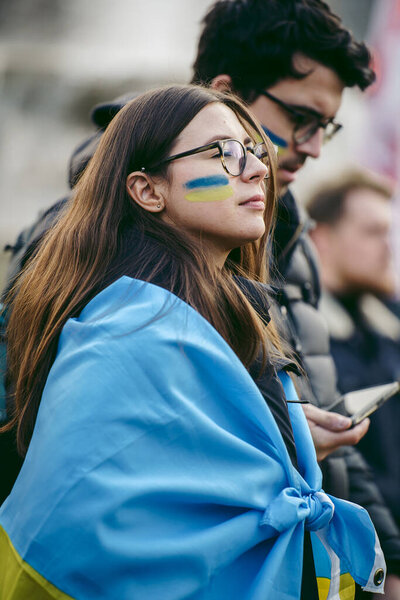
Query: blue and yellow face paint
<point x="208" y="189"/>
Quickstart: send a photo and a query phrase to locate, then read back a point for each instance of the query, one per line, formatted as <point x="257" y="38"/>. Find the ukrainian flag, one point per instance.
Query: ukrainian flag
<point x="335" y="579"/>
<point x="156" y="470"/>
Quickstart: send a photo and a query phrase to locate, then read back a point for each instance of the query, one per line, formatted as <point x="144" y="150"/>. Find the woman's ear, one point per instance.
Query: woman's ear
<point x="222" y="83"/>
<point x="145" y="192"/>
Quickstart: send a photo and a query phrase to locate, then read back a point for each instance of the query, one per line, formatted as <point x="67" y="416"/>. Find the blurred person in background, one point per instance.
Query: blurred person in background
<point x="352" y="235"/>
<point x="290" y="61"/>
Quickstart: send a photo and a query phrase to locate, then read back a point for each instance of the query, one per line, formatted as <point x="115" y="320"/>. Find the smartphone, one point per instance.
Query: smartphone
<point x="362" y="403"/>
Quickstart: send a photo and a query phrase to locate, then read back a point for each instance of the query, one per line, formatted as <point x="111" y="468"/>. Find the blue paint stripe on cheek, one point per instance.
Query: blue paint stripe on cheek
<point x="275" y="139"/>
<point x="202" y="182"/>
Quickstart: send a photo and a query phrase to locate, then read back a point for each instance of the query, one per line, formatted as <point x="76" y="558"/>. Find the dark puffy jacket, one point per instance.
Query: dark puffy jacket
<point x="346" y="474"/>
<point x="365" y="344"/>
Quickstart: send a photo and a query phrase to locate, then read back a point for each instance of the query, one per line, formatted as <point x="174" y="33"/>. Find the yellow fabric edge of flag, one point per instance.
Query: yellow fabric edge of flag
<point x="19" y="581"/>
<point x="323" y="584"/>
<point x="347" y="587"/>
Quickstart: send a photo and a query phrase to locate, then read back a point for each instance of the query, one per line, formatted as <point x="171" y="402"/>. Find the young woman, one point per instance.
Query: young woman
<point x="155" y="467"/>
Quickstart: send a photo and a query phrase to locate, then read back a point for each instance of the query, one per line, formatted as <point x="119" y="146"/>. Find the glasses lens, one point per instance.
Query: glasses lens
<point x="261" y="152"/>
<point x="305" y="130"/>
<point x="234" y="157"/>
<point x="330" y="130"/>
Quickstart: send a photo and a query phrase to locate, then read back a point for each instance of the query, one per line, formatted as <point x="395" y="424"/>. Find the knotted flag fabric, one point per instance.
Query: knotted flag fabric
<point x="156" y="470"/>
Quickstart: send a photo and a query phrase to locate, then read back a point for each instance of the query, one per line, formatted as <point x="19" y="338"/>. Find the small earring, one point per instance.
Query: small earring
<point x="158" y="205"/>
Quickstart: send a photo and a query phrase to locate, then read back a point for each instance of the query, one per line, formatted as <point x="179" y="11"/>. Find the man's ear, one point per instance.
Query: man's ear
<point x="145" y="192"/>
<point x="321" y="235"/>
<point x="222" y="83"/>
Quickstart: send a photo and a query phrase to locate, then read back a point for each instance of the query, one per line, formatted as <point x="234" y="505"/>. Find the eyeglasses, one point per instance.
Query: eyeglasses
<point x="307" y="123"/>
<point x="233" y="155"/>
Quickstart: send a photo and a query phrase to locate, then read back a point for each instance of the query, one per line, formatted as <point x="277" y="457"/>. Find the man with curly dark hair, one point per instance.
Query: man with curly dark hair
<point x="291" y="60"/>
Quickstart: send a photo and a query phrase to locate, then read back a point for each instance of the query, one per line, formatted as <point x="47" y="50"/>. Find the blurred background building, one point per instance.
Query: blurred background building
<point x="58" y="59"/>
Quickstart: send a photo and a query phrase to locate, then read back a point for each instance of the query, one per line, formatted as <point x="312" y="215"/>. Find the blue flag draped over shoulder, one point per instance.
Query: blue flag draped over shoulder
<point x="157" y="471"/>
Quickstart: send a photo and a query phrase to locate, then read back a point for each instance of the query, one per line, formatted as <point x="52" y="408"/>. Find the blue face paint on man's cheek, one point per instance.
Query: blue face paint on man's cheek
<point x="275" y="139"/>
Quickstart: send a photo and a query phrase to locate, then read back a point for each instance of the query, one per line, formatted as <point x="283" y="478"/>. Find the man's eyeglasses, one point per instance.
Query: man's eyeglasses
<point x="306" y="123"/>
<point x="233" y="155"/>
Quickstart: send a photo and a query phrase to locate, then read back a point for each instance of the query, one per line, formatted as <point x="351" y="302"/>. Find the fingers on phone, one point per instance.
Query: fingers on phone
<point x="358" y="432"/>
<point x="328" y="420"/>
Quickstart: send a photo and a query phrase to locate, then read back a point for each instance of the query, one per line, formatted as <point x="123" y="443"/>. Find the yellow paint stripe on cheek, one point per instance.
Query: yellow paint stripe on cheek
<point x="210" y="195"/>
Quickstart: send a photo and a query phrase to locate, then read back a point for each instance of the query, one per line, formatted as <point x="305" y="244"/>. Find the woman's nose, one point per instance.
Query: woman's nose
<point x="254" y="168"/>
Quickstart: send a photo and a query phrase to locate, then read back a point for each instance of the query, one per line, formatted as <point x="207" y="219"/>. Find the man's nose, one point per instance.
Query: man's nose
<point x="312" y="147"/>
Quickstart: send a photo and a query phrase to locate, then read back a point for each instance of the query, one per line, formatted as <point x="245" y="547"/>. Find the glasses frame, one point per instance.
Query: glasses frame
<point x="217" y="144"/>
<point x="299" y="115"/>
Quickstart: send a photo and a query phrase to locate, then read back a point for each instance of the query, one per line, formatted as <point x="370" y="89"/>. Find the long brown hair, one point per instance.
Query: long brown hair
<point x="103" y="235"/>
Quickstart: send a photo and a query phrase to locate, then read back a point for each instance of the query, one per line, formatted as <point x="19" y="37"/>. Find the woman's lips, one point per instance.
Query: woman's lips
<point x="256" y="202"/>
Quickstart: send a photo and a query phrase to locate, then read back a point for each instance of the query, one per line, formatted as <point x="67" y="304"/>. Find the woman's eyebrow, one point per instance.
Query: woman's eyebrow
<point x="217" y="138"/>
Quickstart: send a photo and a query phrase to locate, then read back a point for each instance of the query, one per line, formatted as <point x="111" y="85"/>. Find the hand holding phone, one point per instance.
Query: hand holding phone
<point x="362" y="403"/>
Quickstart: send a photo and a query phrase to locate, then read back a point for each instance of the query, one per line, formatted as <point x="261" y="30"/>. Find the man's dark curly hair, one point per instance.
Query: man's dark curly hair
<point x="254" y="41"/>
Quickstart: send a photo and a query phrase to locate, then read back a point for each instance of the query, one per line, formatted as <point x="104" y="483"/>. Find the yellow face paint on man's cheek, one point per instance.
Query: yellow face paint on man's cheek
<point x="208" y="189"/>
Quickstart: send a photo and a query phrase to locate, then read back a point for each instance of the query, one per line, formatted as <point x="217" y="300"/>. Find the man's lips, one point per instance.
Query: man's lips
<point x="257" y="202"/>
<point x="286" y="175"/>
<point x="288" y="172"/>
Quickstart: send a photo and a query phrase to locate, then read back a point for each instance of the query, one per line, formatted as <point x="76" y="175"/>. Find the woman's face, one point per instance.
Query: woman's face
<point x="202" y="198"/>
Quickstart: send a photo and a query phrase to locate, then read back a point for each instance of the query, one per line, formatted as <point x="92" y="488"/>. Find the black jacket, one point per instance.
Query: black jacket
<point x="365" y="344"/>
